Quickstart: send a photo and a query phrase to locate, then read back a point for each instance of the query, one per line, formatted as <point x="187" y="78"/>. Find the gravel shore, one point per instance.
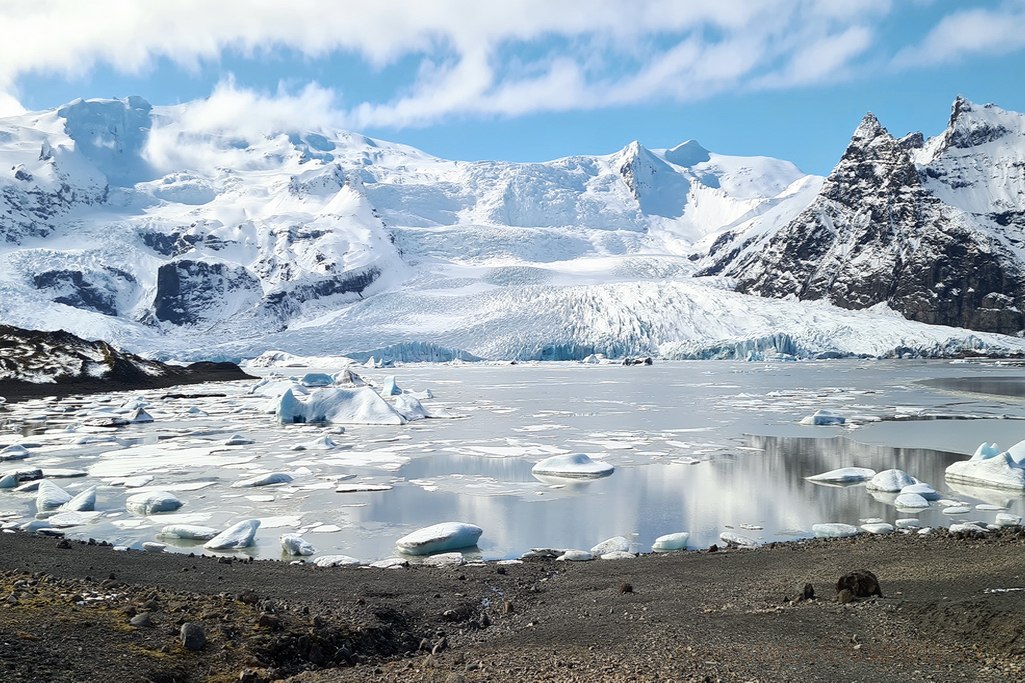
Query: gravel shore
<point x="66" y="611"/>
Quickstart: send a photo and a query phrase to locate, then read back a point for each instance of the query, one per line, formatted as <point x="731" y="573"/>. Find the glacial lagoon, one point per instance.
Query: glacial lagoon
<point x="705" y="447"/>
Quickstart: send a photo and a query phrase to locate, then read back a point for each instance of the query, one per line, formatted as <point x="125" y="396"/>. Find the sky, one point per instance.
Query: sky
<point x="530" y="80"/>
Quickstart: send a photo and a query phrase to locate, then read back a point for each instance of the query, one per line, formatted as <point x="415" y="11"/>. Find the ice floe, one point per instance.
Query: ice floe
<point x="361" y="488"/>
<point x="614" y="544"/>
<point x="238" y="535"/>
<point x="574" y="466"/>
<point x="890" y="481"/>
<point x="844" y="475"/>
<point x="49" y="496"/>
<point x="575" y="556"/>
<point x="732" y="538"/>
<point x="14" y="452"/>
<point x="440" y="538"/>
<point x="238" y="440"/>
<point x="989" y="467"/>
<point x="911" y="501"/>
<point x="268" y="479"/>
<point x="335" y="561"/>
<point x="833" y="530"/>
<point x="316" y="379"/>
<point x="294" y="544"/>
<point x="670" y="542"/>
<point x="824" y="417"/>
<point x="878" y="528"/>
<point x="1007" y="519"/>
<point x="152" y="502"/>
<point x="140" y="416"/>
<point x="84" y="501"/>
<point x="924" y="490"/>
<point x="188" y="532"/>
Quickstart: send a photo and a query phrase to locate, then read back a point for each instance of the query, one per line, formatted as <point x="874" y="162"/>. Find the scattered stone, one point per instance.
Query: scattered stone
<point x="625" y="588"/>
<point x="192" y="636"/>
<point x="809" y="592"/>
<point x="861" y="583"/>
<point x="64" y="544"/>
<point x="142" y="620"/>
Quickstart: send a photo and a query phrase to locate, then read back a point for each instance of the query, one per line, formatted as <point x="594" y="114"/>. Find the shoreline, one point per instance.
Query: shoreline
<point x="699" y="615"/>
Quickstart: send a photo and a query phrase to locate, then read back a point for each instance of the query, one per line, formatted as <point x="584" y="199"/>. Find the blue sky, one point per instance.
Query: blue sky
<point x="528" y="79"/>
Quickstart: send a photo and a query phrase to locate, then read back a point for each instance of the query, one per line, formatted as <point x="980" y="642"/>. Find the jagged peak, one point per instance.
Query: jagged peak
<point x="971" y="125"/>
<point x="688" y="153"/>
<point x="869" y="128"/>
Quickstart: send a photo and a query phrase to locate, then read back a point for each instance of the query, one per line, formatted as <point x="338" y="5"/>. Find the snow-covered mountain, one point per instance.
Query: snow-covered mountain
<point x="932" y="229"/>
<point x="167" y="235"/>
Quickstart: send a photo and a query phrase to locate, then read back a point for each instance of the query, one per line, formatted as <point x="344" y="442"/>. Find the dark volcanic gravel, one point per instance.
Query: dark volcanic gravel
<point x="733" y="615"/>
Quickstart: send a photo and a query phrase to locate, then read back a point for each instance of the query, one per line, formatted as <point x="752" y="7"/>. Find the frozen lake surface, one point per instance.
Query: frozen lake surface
<point x="704" y="447"/>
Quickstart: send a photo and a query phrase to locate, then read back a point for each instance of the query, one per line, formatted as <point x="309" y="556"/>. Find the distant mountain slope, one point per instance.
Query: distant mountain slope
<point x="134" y="224"/>
<point x="931" y="229"/>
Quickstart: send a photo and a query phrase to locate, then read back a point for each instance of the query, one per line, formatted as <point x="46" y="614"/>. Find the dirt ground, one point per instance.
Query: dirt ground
<point x="737" y="615"/>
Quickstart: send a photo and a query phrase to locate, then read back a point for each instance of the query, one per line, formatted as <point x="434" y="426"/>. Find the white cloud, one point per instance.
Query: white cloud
<point x="975" y="31"/>
<point x="9" y="105"/>
<point x="603" y="53"/>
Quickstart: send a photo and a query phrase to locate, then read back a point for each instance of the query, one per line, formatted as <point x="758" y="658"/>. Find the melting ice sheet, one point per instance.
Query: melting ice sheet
<point x="703" y="447"/>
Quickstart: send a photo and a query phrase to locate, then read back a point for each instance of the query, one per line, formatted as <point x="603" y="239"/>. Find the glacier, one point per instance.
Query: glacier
<point x="123" y="221"/>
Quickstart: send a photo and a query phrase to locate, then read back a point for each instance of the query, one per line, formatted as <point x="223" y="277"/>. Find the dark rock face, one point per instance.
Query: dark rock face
<point x="876" y="234"/>
<point x="92" y="292"/>
<point x="188" y="291"/>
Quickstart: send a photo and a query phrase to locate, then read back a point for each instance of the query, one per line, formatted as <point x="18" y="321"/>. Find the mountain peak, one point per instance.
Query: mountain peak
<point x="972" y="125"/>
<point x="688" y="153"/>
<point x="111" y="134"/>
<point x="868" y="129"/>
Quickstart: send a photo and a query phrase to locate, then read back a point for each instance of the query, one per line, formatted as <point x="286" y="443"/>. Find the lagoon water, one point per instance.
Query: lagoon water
<point x="704" y="447"/>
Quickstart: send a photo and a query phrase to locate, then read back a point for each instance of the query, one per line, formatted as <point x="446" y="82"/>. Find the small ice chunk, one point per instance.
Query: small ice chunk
<point x="268" y="479"/>
<point x="238" y="535"/>
<point x="878" y="528"/>
<point x="63" y="520"/>
<point x="137" y="482"/>
<point x="907" y="523"/>
<point x="824" y="417"/>
<point x="347" y="378"/>
<point x="390" y="388"/>
<point x="575" y="556"/>
<point x="444" y="560"/>
<point x="440" y="538"/>
<point x="361" y="488"/>
<point x="891" y="481"/>
<point x="50" y="496"/>
<point x="323" y="443"/>
<point x="8" y="481"/>
<point x="833" y="530"/>
<point x="82" y="502"/>
<point x="63" y="473"/>
<point x="957" y="510"/>
<point x="574" y="465"/>
<point x="189" y="532"/>
<point x="671" y="542"/>
<point x="734" y="539"/>
<point x="969" y="527"/>
<point x="410" y="408"/>
<point x="924" y="490"/>
<point x="152" y="502"/>
<point x="989" y="507"/>
<point x="289" y="409"/>
<point x="617" y="555"/>
<point x="140" y="416"/>
<point x="611" y="545"/>
<point x="911" y="501"/>
<point x="14" y="452"/>
<point x="294" y="544"/>
<point x="1007" y="519"/>
<point x="335" y="561"/>
<point x="844" y="475"/>
<point x="316" y="379"/>
<point x="237" y="440"/>
<point x="925" y="532"/>
<point x="390" y="563"/>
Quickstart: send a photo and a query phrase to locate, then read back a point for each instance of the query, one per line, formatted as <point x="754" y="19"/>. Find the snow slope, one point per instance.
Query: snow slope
<point x="134" y="224"/>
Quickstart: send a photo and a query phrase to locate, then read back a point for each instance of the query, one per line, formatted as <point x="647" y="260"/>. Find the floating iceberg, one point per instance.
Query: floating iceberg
<point x="833" y="530"/>
<point x="14" y="452"/>
<point x="188" y="532"/>
<point x="574" y="466"/>
<point x="738" y="540"/>
<point x="612" y="545"/>
<point x="237" y="440"/>
<point x="824" y="417"/>
<point x="82" y="502"/>
<point x="390" y="388"/>
<point x="316" y="379"/>
<point x="140" y="416"/>
<point x="671" y="542"/>
<point x="989" y="467"/>
<point x="268" y="479"/>
<point x="911" y="501"/>
<point x="881" y="528"/>
<point x="891" y="481"/>
<point x="323" y="443"/>
<point x="152" y="502"/>
<point x="294" y="544"/>
<point x="348" y="378"/>
<point x="238" y="535"/>
<point x="290" y="410"/>
<point x="50" y="496"/>
<point x="924" y="490"/>
<point x="351" y="406"/>
<point x="440" y="538"/>
<point x="335" y="561"/>
<point x="844" y="475"/>
<point x="410" y="408"/>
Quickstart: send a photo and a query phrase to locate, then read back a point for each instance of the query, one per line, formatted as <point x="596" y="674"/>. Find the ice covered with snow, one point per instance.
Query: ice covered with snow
<point x="188" y="532"/>
<point x="572" y="466"/>
<point x="924" y="490"/>
<point x="350" y="406"/>
<point x="614" y="544"/>
<point x="49" y="496"/>
<point x="316" y="379"/>
<point x="911" y="501"/>
<point x="890" y="481"/>
<point x="881" y="528"/>
<point x="336" y="561"/>
<point x="440" y="538"/>
<point x="238" y="535"/>
<point x="823" y="417"/>
<point x="268" y="479"/>
<point x="575" y="556"/>
<point x="1007" y="519"/>
<point x="731" y="538"/>
<point x="990" y="467"/>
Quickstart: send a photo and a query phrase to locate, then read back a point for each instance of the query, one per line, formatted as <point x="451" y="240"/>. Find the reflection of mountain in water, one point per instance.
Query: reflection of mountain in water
<point x="996" y="386"/>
